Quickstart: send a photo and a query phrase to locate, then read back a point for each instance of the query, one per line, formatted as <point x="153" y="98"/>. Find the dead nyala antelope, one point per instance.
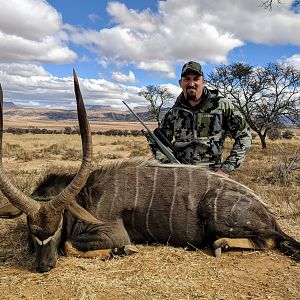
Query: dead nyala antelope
<point x="139" y="201"/>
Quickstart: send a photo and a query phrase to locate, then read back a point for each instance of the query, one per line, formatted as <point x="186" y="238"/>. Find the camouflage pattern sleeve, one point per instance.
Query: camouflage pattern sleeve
<point x="239" y="130"/>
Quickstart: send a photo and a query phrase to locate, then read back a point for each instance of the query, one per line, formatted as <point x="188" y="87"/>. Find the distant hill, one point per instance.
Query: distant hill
<point x="97" y="107"/>
<point x="101" y="117"/>
<point x="7" y="105"/>
<point x="96" y="113"/>
<point x="287" y="122"/>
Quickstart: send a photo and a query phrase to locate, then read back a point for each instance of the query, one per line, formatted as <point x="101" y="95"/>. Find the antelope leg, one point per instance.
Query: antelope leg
<point x="69" y="250"/>
<point x="126" y="250"/>
<point x="226" y="243"/>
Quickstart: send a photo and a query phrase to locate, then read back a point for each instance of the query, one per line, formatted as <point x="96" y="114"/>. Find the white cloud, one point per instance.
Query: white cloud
<point x="29" y="19"/>
<point x="155" y="41"/>
<point x="248" y="21"/>
<point x="33" y="86"/>
<point x="187" y="30"/>
<point x="294" y="60"/>
<point x="84" y="59"/>
<point x="30" y="31"/>
<point x="170" y="75"/>
<point x="173" y="89"/>
<point x="22" y="70"/>
<point x="94" y="18"/>
<point x="162" y="66"/>
<point x="203" y="30"/>
<point x="130" y="18"/>
<point x="123" y="78"/>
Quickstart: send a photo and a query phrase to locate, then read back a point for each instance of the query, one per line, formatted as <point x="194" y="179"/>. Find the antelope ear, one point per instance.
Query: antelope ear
<point x="9" y="211"/>
<point x="80" y="213"/>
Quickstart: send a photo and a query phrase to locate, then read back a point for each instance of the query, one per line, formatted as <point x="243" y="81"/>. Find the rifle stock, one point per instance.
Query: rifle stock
<point x="164" y="150"/>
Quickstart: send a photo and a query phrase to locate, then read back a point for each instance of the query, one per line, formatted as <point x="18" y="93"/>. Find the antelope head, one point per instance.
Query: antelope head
<point x="45" y="218"/>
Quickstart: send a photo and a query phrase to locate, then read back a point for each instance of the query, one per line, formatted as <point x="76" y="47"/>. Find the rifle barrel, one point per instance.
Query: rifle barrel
<point x="160" y="145"/>
<point x="137" y="116"/>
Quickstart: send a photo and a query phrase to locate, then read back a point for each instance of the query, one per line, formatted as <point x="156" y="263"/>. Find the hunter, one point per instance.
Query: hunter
<point x="200" y="120"/>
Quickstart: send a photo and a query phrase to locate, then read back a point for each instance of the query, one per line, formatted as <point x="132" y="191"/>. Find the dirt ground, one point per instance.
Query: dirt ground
<point x="156" y="272"/>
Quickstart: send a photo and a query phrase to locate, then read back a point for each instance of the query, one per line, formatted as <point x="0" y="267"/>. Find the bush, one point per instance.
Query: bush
<point x="72" y="130"/>
<point x="274" y="134"/>
<point x="67" y="130"/>
<point x="72" y="154"/>
<point x="285" y="165"/>
<point x="54" y="149"/>
<point x="287" y="134"/>
<point x="136" y="132"/>
<point x="112" y="156"/>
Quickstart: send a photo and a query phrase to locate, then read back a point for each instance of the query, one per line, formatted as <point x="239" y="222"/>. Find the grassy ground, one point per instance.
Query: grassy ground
<point x="156" y="272"/>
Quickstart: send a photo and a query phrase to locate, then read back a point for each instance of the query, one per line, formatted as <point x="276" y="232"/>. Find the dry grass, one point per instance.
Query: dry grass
<point x="259" y="172"/>
<point x="156" y="272"/>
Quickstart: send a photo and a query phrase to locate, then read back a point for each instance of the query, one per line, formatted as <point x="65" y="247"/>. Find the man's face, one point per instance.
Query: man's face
<point x="192" y="84"/>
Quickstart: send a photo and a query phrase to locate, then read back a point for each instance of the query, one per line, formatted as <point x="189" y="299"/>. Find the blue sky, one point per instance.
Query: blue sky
<point x="119" y="47"/>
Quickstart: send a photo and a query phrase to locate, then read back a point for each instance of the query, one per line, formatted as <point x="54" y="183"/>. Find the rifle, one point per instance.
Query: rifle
<point x="159" y="134"/>
<point x="163" y="149"/>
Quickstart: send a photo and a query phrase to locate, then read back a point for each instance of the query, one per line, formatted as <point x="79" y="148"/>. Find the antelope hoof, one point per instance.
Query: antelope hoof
<point x="125" y="250"/>
<point x="218" y="252"/>
<point x="219" y="245"/>
<point x="69" y="250"/>
<point x="130" y="249"/>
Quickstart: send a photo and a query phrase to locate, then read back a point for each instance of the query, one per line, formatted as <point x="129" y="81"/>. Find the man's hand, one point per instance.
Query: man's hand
<point x="220" y="172"/>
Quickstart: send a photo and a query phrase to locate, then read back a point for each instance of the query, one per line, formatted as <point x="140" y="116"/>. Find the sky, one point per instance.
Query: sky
<point x="119" y="47"/>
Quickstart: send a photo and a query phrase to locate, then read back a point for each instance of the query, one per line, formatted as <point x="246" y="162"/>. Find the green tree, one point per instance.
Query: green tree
<point x="267" y="96"/>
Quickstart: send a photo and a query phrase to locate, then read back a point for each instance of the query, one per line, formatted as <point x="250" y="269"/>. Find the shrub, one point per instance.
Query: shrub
<point x="54" y="149"/>
<point x="139" y="150"/>
<point x="285" y="165"/>
<point x="112" y="156"/>
<point x="274" y="134"/>
<point x="72" y="154"/>
<point x="287" y="134"/>
<point x="67" y="130"/>
<point x="136" y="133"/>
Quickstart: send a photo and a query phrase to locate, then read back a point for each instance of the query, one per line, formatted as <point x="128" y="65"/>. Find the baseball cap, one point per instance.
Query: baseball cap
<point x="191" y="66"/>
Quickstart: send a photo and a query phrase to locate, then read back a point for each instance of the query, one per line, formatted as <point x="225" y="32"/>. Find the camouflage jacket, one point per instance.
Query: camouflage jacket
<point x="199" y="133"/>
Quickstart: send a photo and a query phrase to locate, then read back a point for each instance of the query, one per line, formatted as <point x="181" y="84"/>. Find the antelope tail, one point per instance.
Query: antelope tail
<point x="287" y="245"/>
<point x="291" y="248"/>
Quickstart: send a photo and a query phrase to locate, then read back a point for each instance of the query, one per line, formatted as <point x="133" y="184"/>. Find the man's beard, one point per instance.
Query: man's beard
<point x="191" y="94"/>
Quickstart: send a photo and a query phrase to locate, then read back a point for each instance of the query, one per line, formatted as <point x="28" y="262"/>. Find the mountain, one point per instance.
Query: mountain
<point x="8" y="105"/>
<point x="101" y="118"/>
<point x="96" y="113"/>
<point x="97" y="107"/>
